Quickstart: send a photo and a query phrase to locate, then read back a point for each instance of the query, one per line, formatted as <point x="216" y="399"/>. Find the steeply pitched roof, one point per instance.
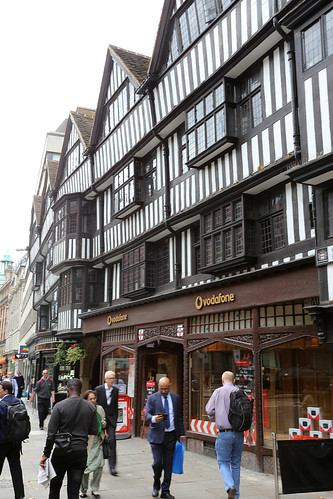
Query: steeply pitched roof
<point x="52" y="170"/>
<point x="136" y="65"/>
<point x="84" y="124"/>
<point x="37" y="204"/>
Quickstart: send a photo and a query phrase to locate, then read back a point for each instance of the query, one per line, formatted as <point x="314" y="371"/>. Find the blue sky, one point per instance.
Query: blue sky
<point x="52" y="59"/>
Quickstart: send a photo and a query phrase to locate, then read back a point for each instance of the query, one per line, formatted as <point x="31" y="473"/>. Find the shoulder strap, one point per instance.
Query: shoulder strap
<point x="75" y="415"/>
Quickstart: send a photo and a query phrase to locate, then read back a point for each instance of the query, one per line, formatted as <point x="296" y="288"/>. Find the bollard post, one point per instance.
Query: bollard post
<point x="275" y="466"/>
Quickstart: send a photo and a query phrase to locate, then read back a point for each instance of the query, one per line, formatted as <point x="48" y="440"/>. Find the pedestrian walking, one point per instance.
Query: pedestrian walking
<point x="12" y="380"/>
<point x="45" y="390"/>
<point x="229" y="443"/>
<point x="20" y="383"/>
<point x="79" y="418"/>
<point x="10" y="450"/>
<point x="163" y="412"/>
<point x="107" y="397"/>
<point x="95" y="461"/>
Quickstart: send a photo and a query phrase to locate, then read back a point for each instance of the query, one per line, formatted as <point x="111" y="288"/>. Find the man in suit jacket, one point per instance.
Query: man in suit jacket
<point x="164" y="414"/>
<point x="107" y="397"/>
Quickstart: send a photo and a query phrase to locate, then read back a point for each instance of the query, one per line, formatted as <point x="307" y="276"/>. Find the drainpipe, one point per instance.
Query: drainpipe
<point x="167" y="204"/>
<point x="294" y="110"/>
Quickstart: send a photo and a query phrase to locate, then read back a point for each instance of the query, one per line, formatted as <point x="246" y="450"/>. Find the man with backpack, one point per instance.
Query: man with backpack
<point x="14" y="428"/>
<point x="229" y="442"/>
<point x="44" y="389"/>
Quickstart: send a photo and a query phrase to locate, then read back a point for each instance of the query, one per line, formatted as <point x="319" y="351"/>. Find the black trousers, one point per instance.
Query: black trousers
<point x="111" y="431"/>
<point x="163" y="456"/>
<point x="74" y="465"/>
<point x="43" y="406"/>
<point x="12" y="453"/>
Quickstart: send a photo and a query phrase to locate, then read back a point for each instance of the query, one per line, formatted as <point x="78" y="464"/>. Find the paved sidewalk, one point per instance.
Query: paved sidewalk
<point x="201" y="478"/>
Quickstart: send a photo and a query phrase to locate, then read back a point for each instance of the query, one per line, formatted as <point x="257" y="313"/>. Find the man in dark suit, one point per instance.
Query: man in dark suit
<point x="164" y="414"/>
<point x="107" y="397"/>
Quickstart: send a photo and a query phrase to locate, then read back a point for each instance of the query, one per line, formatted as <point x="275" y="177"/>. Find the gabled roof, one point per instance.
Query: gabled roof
<point x="135" y="65"/>
<point x="84" y="124"/>
<point x="37" y="206"/>
<point x="52" y="170"/>
<point x="82" y="119"/>
<point x="161" y="47"/>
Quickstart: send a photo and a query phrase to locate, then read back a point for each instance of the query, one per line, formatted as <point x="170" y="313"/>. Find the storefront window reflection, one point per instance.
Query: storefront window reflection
<point x="207" y="366"/>
<point x="295" y="376"/>
<point x="122" y="363"/>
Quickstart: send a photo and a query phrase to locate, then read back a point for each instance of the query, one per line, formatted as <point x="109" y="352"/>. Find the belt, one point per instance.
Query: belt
<point x="226" y="429"/>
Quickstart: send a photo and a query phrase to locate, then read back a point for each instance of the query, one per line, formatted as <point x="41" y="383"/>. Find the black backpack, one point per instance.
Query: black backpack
<point x="17" y="423"/>
<point x="241" y="411"/>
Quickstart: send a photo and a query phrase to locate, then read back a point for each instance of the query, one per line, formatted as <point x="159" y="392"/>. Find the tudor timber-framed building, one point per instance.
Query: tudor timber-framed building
<point x="197" y="216"/>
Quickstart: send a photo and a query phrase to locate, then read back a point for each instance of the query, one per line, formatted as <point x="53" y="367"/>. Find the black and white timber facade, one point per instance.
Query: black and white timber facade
<point x="193" y="217"/>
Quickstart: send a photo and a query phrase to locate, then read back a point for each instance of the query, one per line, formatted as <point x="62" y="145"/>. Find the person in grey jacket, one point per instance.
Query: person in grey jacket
<point x="86" y="423"/>
<point x="45" y="390"/>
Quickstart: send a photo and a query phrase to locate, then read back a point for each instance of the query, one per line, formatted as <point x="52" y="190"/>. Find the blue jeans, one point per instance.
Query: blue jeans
<point x="229" y="448"/>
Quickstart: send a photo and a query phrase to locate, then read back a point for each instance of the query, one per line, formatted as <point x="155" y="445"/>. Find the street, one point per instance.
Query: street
<point x="201" y="478"/>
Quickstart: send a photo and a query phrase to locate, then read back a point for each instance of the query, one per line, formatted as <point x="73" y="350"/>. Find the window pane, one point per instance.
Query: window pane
<point x="193" y="22"/>
<point x="278" y="232"/>
<point x="219" y="95"/>
<point x="239" y="241"/>
<point x="312" y="45"/>
<point x="245" y="117"/>
<point x="295" y="376"/>
<point x="185" y="36"/>
<point x="220" y="125"/>
<point x="191" y="118"/>
<point x="256" y="109"/>
<point x="208" y="251"/>
<point x="201" y="138"/>
<point x="218" y="248"/>
<point x="266" y="236"/>
<point x="210" y="132"/>
<point x="200" y="110"/>
<point x="227" y="244"/>
<point x="191" y="145"/>
<point x="329" y="32"/>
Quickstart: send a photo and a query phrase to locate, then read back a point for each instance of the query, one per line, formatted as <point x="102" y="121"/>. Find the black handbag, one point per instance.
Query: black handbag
<point x="63" y="440"/>
<point x="106" y="447"/>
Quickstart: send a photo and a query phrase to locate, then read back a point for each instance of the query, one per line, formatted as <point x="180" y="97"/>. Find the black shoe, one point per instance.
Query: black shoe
<point x="83" y="494"/>
<point x="113" y="472"/>
<point x="154" y="493"/>
<point x="95" y="494"/>
<point x="167" y="495"/>
<point x="231" y="493"/>
<point x="41" y="427"/>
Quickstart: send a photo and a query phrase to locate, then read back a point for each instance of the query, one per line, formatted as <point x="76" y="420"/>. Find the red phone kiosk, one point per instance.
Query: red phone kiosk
<point x="125" y="414"/>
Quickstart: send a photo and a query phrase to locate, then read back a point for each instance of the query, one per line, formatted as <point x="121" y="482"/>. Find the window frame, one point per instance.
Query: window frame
<point x="325" y="52"/>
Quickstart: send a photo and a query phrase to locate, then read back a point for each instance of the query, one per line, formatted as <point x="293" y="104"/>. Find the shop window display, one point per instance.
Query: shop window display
<point x="122" y="364"/>
<point x="206" y="368"/>
<point x="295" y="376"/>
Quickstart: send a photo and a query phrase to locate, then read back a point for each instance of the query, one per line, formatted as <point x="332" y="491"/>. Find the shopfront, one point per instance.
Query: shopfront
<point x="259" y="330"/>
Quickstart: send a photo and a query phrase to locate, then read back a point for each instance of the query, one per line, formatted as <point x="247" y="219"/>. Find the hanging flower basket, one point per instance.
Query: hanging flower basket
<point x="61" y="354"/>
<point x="69" y="354"/>
<point x="76" y="352"/>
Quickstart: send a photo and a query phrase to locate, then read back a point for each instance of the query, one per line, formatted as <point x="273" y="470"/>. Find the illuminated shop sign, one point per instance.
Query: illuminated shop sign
<point x="201" y="302"/>
<point x="116" y="318"/>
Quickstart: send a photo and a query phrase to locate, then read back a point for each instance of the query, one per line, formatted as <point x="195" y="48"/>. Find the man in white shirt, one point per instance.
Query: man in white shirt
<point x="10" y="377"/>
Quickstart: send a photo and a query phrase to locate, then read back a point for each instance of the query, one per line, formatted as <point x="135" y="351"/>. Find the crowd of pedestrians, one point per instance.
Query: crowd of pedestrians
<point x="84" y="422"/>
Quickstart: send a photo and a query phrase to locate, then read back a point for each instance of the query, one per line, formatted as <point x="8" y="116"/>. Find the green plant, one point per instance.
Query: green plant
<point x="61" y="354"/>
<point x="75" y="352"/>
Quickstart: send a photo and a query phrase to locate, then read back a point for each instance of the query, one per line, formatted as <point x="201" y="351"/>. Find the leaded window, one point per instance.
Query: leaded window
<point x="318" y="40"/>
<point x="250" y="105"/>
<point x="272" y="222"/>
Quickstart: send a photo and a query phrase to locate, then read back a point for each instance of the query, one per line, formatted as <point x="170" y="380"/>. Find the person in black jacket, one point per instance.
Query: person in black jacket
<point x="107" y="397"/>
<point x="7" y="449"/>
<point x="45" y="390"/>
<point x="86" y="423"/>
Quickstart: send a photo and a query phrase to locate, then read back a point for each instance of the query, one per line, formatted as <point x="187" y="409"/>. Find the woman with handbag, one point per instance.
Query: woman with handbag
<point x="95" y="461"/>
